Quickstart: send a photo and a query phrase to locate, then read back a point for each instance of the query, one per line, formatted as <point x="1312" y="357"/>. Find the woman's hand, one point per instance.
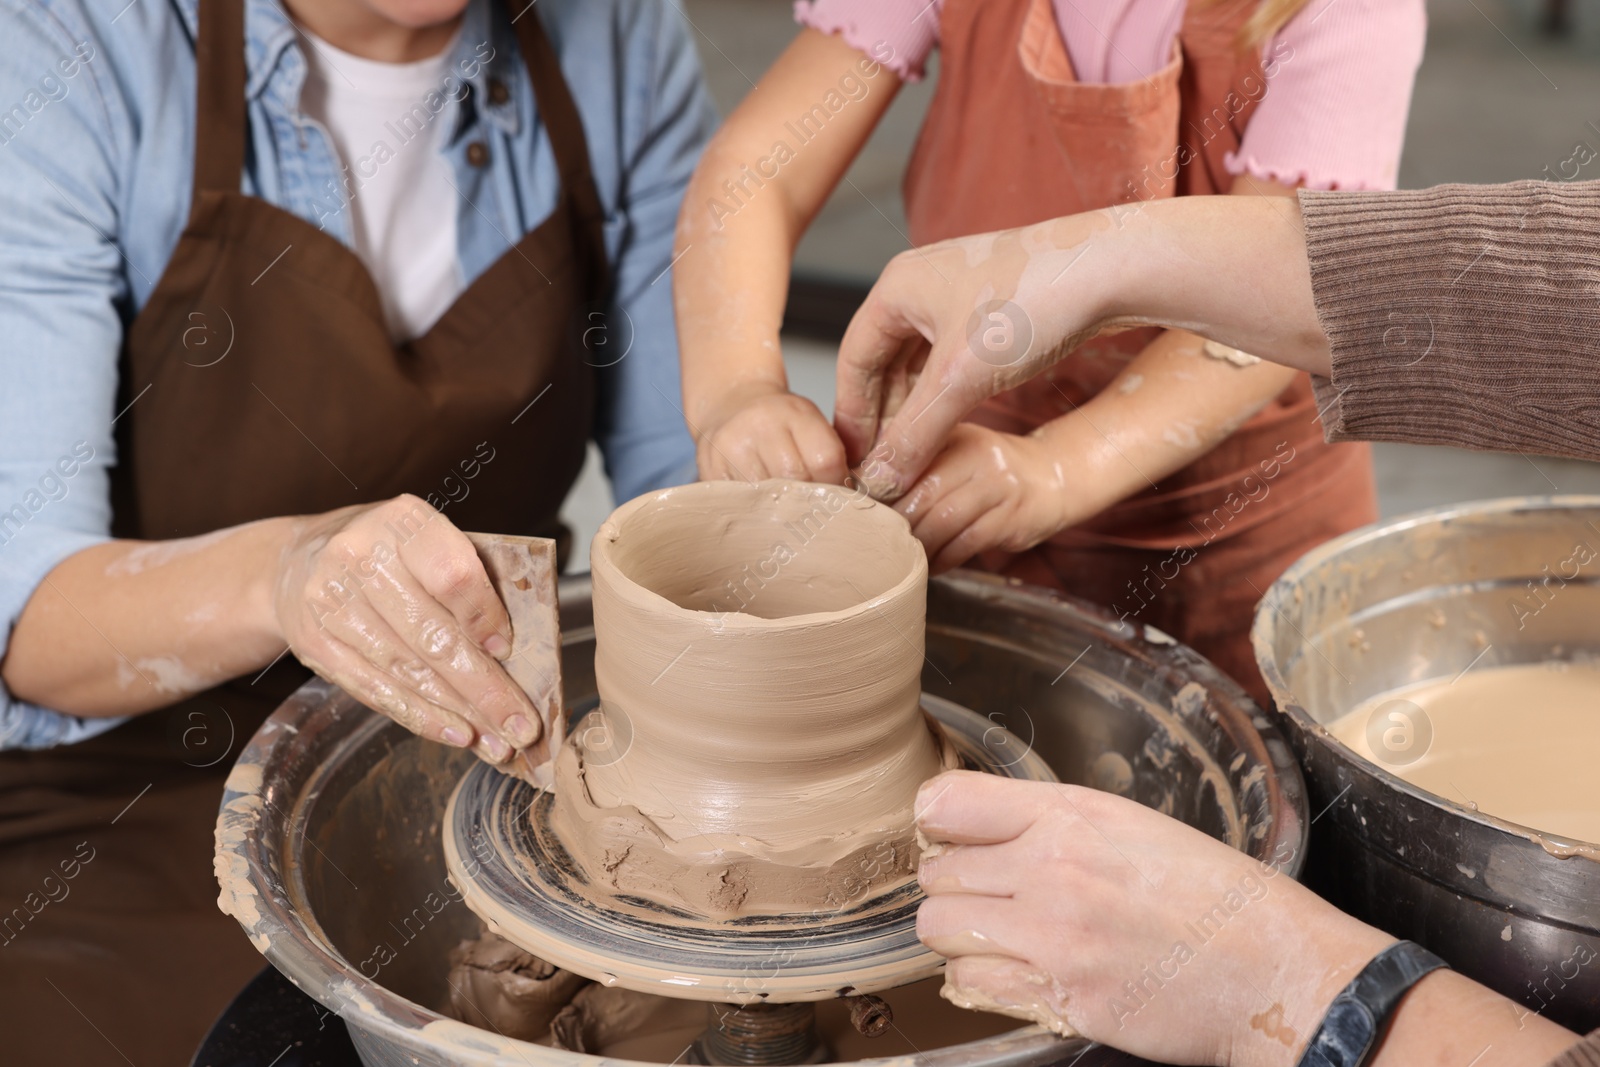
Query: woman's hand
<point x="989" y="490"/>
<point x="1080" y="909"/>
<point x="950" y="325"/>
<point x="390" y="602"/>
<point x="768" y="432"/>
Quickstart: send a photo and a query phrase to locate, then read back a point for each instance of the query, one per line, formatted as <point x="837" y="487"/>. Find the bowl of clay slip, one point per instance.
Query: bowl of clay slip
<point x="1446" y="597"/>
<point x="759" y="741"/>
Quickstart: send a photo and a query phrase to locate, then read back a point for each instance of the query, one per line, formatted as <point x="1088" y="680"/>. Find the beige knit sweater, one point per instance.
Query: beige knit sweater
<point x="1585" y="1053"/>
<point x="1463" y="315"/>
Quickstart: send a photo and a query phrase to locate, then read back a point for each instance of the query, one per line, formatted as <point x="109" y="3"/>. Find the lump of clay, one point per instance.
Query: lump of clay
<point x="599" y="1016"/>
<point x="497" y="986"/>
<point x="759" y="742"/>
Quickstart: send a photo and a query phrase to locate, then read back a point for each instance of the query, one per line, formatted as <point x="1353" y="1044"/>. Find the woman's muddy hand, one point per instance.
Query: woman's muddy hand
<point x="390" y="602"/>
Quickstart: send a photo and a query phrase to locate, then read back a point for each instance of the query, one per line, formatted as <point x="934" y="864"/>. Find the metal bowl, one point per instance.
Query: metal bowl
<point x="1428" y="596"/>
<point x="328" y="845"/>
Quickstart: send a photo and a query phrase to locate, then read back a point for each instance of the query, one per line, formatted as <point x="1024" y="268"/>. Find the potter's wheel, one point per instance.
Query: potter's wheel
<point x="329" y="837"/>
<point x="515" y="874"/>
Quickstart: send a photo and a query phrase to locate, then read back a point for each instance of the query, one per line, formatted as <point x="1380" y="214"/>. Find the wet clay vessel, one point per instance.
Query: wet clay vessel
<point x="759" y="741"/>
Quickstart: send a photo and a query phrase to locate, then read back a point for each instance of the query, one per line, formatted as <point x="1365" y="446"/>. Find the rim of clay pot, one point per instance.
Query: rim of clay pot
<point x="601" y="550"/>
<point x="1263" y="636"/>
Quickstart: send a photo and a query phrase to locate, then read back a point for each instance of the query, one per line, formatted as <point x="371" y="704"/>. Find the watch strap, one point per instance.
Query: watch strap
<point x="1359" y="1016"/>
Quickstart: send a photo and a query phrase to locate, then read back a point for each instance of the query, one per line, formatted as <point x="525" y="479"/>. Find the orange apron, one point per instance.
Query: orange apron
<point x="1012" y="138"/>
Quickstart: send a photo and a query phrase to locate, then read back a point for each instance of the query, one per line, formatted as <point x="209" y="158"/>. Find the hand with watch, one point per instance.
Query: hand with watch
<point x="1089" y="913"/>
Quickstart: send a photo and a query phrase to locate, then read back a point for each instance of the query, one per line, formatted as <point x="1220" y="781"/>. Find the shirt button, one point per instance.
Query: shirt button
<point x="478" y="154"/>
<point x="498" y="93"/>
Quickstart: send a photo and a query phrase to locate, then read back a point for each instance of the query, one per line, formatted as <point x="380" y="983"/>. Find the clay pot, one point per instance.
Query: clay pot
<point x="759" y="651"/>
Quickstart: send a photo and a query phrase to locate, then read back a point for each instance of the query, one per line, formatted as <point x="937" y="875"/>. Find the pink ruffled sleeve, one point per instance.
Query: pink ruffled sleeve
<point x="900" y="34"/>
<point x="1339" y="80"/>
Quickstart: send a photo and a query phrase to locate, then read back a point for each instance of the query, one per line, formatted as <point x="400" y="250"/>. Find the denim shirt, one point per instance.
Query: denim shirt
<point x="96" y="148"/>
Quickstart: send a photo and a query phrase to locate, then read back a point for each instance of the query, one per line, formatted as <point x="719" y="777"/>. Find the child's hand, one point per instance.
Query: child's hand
<point x="770" y="433"/>
<point x="989" y="490"/>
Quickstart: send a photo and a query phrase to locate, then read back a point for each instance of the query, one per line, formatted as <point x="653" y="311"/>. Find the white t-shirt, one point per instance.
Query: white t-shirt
<point x="402" y="200"/>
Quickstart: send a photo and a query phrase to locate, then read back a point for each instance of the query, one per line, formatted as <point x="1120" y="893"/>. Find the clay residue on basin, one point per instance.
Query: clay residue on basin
<point x="498" y="986"/>
<point x="239" y="818"/>
<point x="564" y="1011"/>
<point x="923" y="1023"/>
<point x="759" y="647"/>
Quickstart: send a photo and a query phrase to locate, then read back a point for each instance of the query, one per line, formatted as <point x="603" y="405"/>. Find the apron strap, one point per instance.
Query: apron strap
<point x="560" y="117"/>
<point x="220" y="117"/>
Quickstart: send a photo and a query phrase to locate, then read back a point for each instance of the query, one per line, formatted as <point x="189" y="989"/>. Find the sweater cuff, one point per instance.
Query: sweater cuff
<point x="1585" y="1053"/>
<point x="1460" y="315"/>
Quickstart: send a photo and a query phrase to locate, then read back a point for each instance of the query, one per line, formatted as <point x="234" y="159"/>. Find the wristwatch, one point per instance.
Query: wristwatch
<point x="1359" y="1016"/>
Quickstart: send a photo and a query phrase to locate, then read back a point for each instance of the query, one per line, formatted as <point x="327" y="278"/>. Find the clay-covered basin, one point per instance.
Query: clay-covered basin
<point x="1430" y="596"/>
<point x="328" y="840"/>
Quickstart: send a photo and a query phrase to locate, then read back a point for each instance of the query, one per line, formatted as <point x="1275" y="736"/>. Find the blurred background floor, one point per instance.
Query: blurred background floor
<point x="1497" y="99"/>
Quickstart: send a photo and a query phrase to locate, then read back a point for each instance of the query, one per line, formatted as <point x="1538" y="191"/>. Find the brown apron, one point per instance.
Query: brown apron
<point x="112" y="949"/>
<point x="1012" y="138"/>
